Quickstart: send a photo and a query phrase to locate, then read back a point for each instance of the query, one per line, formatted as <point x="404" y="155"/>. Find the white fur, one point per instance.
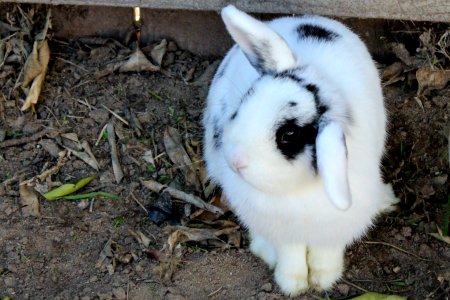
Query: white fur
<point x="293" y="225"/>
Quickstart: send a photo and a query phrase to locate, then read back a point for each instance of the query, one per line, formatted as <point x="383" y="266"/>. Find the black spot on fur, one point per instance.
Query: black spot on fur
<point x="321" y="108"/>
<point x="249" y="93"/>
<point x="292" y="103"/>
<point x="316" y="32"/>
<point x="217" y="135"/>
<point x="291" y="138"/>
<point x="289" y="75"/>
<point x="233" y="116"/>
<point x="314" y="157"/>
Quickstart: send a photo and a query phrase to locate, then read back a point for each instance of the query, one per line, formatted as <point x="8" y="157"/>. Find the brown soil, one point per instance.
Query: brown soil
<point x="56" y="255"/>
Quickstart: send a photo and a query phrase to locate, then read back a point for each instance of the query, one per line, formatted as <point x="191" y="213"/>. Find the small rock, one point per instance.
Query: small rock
<point x="396" y="269"/>
<point x="100" y="115"/>
<point x="119" y="293"/>
<point x="83" y="204"/>
<point x="93" y="279"/>
<point x="406" y="231"/>
<point x="343" y="289"/>
<point x="139" y="268"/>
<point x="267" y="287"/>
<point x="425" y="250"/>
<point x="10" y="281"/>
<point x="50" y="147"/>
<point x="169" y="59"/>
<point x="440" y="180"/>
<point x="105" y="296"/>
<point x="172" y="46"/>
<point x="2" y="134"/>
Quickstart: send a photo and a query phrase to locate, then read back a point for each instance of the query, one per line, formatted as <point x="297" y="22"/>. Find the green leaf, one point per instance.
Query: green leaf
<point x="376" y="296"/>
<point x="67" y="189"/>
<point x="91" y="195"/>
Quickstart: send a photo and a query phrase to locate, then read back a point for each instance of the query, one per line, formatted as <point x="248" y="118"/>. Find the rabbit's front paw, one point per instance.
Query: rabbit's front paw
<point x="291" y="272"/>
<point x="261" y="248"/>
<point x="293" y="282"/>
<point x="325" y="267"/>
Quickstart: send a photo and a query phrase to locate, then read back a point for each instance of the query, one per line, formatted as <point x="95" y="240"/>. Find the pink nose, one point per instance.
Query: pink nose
<point x="238" y="161"/>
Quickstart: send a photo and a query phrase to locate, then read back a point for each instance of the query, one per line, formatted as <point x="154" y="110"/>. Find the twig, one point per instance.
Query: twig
<point x="158" y="187"/>
<point x="138" y="202"/>
<point x="396" y="248"/>
<point x="354" y="285"/>
<point x="24" y="140"/>
<point x="71" y="63"/>
<point x="117" y="169"/>
<point x="100" y="135"/>
<point x="116" y="115"/>
<point x="215" y="292"/>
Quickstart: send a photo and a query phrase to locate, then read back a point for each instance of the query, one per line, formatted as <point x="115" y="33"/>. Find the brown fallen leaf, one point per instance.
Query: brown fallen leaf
<point x="392" y="73"/>
<point x="158" y="52"/>
<point x="29" y="201"/>
<point x="182" y="234"/>
<point x="179" y="156"/>
<point x="180" y="195"/>
<point x="34" y="73"/>
<point x="440" y="236"/>
<point x="402" y="53"/>
<point x="203" y="215"/>
<point x="138" y="62"/>
<point x="431" y="79"/>
<point x="117" y="169"/>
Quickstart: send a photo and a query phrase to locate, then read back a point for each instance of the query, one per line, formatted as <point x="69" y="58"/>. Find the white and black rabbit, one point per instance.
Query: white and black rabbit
<point x="295" y="128"/>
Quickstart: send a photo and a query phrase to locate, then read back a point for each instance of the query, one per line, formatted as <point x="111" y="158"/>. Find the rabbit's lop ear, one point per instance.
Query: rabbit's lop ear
<point x="266" y="50"/>
<point x="332" y="164"/>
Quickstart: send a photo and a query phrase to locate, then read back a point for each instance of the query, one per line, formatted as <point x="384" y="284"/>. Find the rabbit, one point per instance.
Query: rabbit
<point x="294" y="134"/>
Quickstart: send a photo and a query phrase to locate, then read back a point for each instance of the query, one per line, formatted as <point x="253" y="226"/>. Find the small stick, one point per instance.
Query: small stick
<point x="354" y="285"/>
<point x="24" y="140"/>
<point x="215" y="292"/>
<point x="116" y="115"/>
<point x="139" y="202"/>
<point x="180" y="195"/>
<point x="118" y="173"/>
<point x="396" y="248"/>
<point x="71" y="63"/>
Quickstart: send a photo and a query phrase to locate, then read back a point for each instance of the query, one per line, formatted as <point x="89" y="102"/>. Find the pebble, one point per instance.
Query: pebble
<point x="267" y="287"/>
<point x="406" y="231"/>
<point x="2" y="134"/>
<point x="50" y="147"/>
<point x="100" y="115"/>
<point x="10" y="281"/>
<point x="119" y="293"/>
<point x="343" y="289"/>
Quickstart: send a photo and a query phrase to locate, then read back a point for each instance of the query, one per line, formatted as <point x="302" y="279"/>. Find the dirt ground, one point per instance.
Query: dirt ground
<point x="90" y="249"/>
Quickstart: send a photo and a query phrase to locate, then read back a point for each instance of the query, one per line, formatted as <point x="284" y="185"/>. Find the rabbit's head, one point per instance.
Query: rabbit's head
<point x="288" y="131"/>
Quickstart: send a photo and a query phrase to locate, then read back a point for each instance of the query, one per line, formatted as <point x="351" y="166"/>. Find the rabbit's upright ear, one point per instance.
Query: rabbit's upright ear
<point x="332" y="163"/>
<point x="266" y="50"/>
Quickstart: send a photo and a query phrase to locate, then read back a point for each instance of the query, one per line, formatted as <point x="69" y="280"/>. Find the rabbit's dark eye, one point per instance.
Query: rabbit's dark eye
<point x="291" y="138"/>
<point x="290" y="134"/>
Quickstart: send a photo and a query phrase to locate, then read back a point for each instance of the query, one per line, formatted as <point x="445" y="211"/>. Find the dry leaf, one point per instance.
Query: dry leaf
<point x="138" y="62"/>
<point x="178" y="155"/>
<point x="141" y="238"/>
<point x="440" y="236"/>
<point x="431" y="79"/>
<point x="29" y="201"/>
<point x="183" y="234"/>
<point x="159" y="51"/>
<point x="35" y="70"/>
<point x="117" y="169"/>
<point x="402" y="53"/>
<point x="391" y="73"/>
